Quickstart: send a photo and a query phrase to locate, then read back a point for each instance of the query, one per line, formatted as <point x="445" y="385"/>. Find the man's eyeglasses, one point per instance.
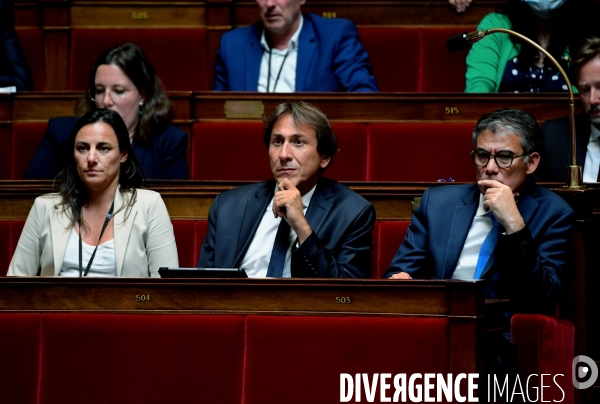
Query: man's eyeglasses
<point x="115" y="94"/>
<point x="503" y="160"/>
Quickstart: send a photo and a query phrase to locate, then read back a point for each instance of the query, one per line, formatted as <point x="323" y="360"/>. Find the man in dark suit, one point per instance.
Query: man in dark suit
<point x="14" y="69"/>
<point x="556" y="133"/>
<point x="528" y="226"/>
<point x="297" y="224"/>
<point x="288" y="51"/>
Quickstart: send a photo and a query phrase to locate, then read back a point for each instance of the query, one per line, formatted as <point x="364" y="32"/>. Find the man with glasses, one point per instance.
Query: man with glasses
<point x="503" y="228"/>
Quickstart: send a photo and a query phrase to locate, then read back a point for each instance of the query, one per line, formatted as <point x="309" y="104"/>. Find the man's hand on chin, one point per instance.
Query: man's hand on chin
<point x="501" y="201"/>
<point x="288" y="205"/>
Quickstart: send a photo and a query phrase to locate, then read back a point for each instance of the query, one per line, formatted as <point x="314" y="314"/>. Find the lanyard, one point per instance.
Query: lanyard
<point x="278" y="74"/>
<point x="87" y="269"/>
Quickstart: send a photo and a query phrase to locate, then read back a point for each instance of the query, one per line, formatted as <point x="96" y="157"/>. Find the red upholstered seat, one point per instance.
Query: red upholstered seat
<point x="33" y="46"/>
<point x="10" y="231"/>
<point x="189" y="235"/>
<point x="141" y="358"/>
<point x="350" y="344"/>
<point x="178" y="55"/>
<point x="236" y="151"/>
<point x="442" y="70"/>
<point x="390" y="235"/>
<point x="229" y="151"/>
<point x="350" y="162"/>
<point x="19" y="353"/>
<point x="395" y="56"/>
<point x="185" y="237"/>
<point x="546" y="345"/>
<point x="26" y="137"/>
<point x="422" y="151"/>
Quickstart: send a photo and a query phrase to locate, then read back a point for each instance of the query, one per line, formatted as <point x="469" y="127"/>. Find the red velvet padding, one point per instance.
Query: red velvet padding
<point x="442" y="71"/>
<point x="178" y="55"/>
<point x="33" y="47"/>
<point x="350" y="162"/>
<point x="395" y="56"/>
<point x="229" y="151"/>
<point x="421" y="151"/>
<point x="118" y="358"/>
<point x="390" y="236"/>
<point x="300" y="359"/>
<point x="185" y="238"/>
<point x="26" y="138"/>
<point x="10" y="232"/>
<point x="545" y="346"/>
<point x="19" y="358"/>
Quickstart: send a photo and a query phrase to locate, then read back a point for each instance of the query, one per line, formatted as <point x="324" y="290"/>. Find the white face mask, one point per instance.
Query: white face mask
<point x="544" y="8"/>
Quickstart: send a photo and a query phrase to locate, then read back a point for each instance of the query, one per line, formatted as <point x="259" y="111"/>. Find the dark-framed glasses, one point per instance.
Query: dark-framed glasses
<point x="115" y="94"/>
<point x="481" y="158"/>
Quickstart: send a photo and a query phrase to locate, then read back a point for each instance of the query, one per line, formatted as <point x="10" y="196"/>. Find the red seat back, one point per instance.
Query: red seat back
<point x="20" y="353"/>
<point x="390" y="235"/>
<point x="178" y="55"/>
<point x="229" y="151"/>
<point x="350" y="345"/>
<point x="141" y="358"/>
<point x="395" y="56"/>
<point x="441" y="70"/>
<point x="420" y="152"/>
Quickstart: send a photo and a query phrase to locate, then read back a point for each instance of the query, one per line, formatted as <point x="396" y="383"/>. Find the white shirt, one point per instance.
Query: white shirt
<point x="287" y="78"/>
<point x="592" y="157"/>
<point x="467" y="262"/>
<point x="104" y="264"/>
<point x="256" y="261"/>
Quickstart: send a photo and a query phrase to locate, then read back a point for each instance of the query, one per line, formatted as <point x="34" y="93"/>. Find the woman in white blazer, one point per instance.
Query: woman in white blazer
<point x="100" y="223"/>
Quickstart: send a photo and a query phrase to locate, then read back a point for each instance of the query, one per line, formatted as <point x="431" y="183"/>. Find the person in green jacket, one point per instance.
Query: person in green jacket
<point x="501" y="63"/>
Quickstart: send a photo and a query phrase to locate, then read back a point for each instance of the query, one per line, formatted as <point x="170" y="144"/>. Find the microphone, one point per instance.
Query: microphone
<point x="458" y="42"/>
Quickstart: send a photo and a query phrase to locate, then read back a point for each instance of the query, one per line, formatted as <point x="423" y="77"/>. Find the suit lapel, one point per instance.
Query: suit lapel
<point x="61" y="231"/>
<point x="122" y="227"/>
<point x="253" y="57"/>
<point x="461" y="223"/>
<point x="319" y="206"/>
<point x="306" y="48"/>
<point x="254" y="209"/>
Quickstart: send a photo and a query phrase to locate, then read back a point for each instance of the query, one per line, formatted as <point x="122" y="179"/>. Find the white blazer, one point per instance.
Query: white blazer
<point x="144" y="239"/>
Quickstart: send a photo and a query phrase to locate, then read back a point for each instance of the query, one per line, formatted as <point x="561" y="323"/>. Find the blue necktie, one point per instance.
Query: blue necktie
<point x="487" y="248"/>
<point x="280" y="247"/>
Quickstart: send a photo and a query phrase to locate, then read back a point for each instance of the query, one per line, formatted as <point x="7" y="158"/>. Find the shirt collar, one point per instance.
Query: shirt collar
<point x="292" y="45"/>
<point x="480" y="210"/>
<point x="595" y="133"/>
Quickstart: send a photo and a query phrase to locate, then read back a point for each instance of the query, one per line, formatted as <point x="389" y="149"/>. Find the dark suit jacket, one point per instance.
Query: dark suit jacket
<point x="339" y="247"/>
<point x="330" y="58"/>
<point x="556" y="148"/>
<point x="526" y="266"/>
<point x="164" y="159"/>
<point x="14" y="70"/>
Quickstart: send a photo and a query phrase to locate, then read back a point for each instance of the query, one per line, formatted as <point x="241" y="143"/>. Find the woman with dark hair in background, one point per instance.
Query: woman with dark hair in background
<point x="503" y="63"/>
<point x="123" y="80"/>
<point x="100" y="223"/>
